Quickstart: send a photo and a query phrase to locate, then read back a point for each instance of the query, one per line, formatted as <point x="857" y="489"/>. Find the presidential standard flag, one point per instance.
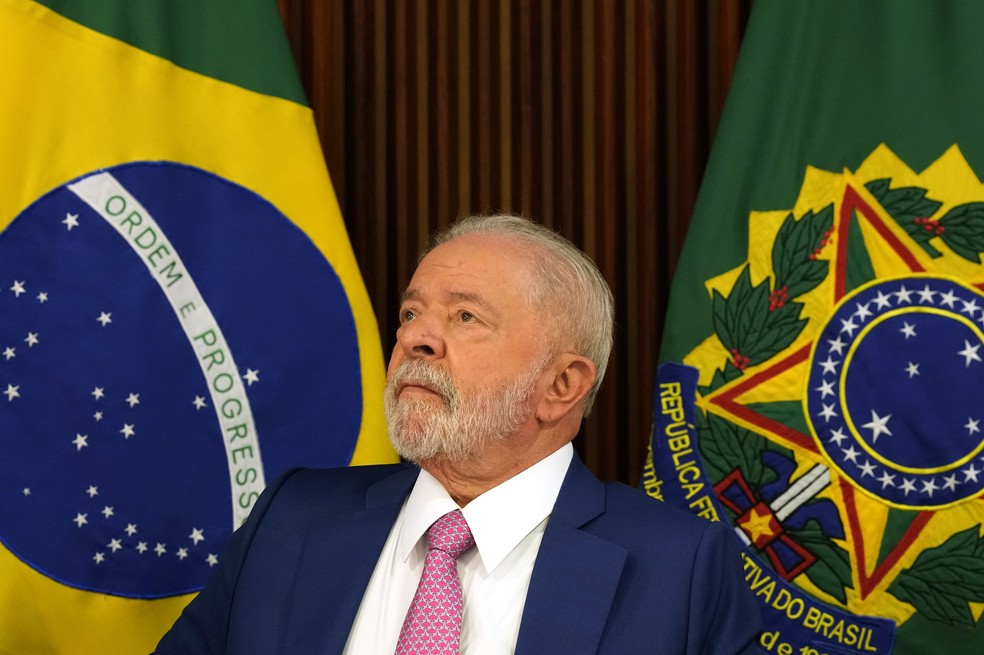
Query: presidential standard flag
<point x="822" y="385"/>
<point x="183" y="317"/>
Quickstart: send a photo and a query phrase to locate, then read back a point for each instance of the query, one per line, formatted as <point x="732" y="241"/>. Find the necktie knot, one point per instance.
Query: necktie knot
<point x="451" y="534"/>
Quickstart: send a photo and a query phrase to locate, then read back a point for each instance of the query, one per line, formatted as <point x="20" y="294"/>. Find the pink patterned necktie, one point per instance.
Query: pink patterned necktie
<point x="433" y="623"/>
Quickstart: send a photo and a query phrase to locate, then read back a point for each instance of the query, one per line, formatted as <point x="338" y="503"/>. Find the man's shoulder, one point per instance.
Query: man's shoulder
<point x="336" y="487"/>
<point x="345" y="475"/>
<point x="622" y="513"/>
<point x="635" y="511"/>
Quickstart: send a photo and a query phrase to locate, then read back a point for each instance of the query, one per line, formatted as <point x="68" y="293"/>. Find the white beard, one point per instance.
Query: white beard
<point x="461" y="428"/>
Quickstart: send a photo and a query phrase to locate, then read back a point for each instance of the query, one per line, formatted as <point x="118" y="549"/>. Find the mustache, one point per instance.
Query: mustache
<point x="419" y="373"/>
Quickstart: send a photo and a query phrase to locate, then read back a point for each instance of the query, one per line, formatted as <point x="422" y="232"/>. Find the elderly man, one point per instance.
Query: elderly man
<point x="494" y="538"/>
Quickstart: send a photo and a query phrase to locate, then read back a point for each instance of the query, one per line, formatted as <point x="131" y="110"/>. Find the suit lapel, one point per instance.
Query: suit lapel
<point x="338" y="558"/>
<point x="575" y="576"/>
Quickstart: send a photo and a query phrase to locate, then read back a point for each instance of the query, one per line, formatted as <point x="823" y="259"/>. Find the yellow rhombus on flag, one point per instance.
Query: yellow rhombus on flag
<point x="183" y="316"/>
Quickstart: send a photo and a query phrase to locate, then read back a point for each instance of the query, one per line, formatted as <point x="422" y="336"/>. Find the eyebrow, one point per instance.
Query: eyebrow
<point x="455" y="296"/>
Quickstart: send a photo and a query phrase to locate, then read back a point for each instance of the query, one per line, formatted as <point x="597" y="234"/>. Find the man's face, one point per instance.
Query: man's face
<point x="468" y="355"/>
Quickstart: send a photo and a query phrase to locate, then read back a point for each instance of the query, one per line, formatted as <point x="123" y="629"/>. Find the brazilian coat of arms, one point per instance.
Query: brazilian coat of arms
<point x="835" y="417"/>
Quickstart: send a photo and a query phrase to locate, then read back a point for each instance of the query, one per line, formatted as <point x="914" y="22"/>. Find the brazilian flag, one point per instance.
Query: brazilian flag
<point x="183" y="316"/>
<point x="823" y="358"/>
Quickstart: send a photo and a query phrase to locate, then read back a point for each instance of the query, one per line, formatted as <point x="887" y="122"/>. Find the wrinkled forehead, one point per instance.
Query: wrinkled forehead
<point x="498" y="269"/>
<point x="490" y="256"/>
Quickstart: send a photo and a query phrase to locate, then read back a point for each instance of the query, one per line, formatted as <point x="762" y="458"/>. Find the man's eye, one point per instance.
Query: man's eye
<point x="467" y="317"/>
<point x="407" y="315"/>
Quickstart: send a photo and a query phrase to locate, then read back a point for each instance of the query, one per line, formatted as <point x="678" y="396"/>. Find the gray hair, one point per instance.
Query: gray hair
<point x="565" y="279"/>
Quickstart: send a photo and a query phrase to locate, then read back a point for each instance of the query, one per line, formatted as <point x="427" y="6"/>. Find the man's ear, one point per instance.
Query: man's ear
<point x="570" y="379"/>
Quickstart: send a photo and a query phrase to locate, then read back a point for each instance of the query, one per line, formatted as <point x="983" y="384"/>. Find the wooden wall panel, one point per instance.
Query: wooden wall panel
<point x="594" y="117"/>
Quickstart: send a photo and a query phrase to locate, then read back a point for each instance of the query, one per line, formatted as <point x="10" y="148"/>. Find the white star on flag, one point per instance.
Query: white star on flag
<point x="837" y="436"/>
<point x="926" y="295"/>
<point x="160" y="549"/>
<point x="972" y="425"/>
<point x="912" y="369"/>
<point x="98" y="393"/>
<point x="903" y="294"/>
<point x="9" y="353"/>
<point x="31" y="339"/>
<point x="969" y="353"/>
<point x="878" y="426"/>
<point x="948" y="298"/>
<point x="133" y="399"/>
<point x="199" y="402"/>
<point x="908" y="330"/>
<point x="127" y="430"/>
<point x="829" y="365"/>
<point x="197" y="535"/>
<point x="43" y="297"/>
<point x="12" y="391"/>
<point x="251" y="376"/>
<point x="18" y="288"/>
<point x="107" y="511"/>
<point x="826" y="388"/>
<point x="92" y="491"/>
<point x="105" y="318"/>
<point x="81" y="441"/>
<point x="71" y="220"/>
<point x="883" y="300"/>
<point x="862" y="311"/>
<point x="908" y="485"/>
<point x="81" y="519"/>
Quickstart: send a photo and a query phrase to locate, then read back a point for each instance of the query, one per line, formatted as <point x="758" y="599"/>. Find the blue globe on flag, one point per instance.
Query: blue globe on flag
<point x="170" y="342"/>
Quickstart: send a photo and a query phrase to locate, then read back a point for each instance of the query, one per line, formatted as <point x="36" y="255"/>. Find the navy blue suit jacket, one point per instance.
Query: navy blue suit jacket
<point x="617" y="572"/>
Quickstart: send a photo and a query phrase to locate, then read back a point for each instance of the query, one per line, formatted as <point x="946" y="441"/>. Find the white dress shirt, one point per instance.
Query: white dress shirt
<point x="507" y="522"/>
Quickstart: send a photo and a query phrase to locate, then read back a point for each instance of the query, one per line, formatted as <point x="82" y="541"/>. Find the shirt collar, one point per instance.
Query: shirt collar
<point x="499" y="519"/>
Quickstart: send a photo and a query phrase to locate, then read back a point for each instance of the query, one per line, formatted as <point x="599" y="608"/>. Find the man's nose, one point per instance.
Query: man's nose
<point x="422" y="337"/>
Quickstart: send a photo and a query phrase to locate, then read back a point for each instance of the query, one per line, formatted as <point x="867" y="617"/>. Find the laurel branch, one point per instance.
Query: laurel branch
<point x="943" y="581"/>
<point x="961" y="229"/>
